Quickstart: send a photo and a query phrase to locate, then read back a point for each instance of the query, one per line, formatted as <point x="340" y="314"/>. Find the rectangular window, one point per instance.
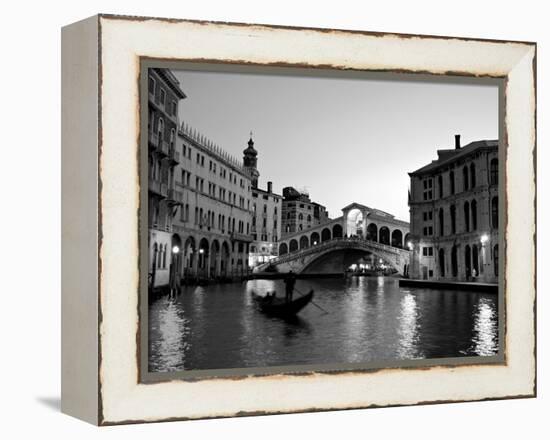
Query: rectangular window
<point x="152" y="84"/>
<point x="162" y="96"/>
<point x="174" y="108"/>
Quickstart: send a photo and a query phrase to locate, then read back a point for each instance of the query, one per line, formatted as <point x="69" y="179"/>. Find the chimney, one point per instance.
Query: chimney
<point x="269" y="187"/>
<point x="457" y="142"/>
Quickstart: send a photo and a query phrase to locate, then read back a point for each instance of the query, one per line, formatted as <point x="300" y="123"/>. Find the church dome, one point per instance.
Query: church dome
<point x="250" y="150"/>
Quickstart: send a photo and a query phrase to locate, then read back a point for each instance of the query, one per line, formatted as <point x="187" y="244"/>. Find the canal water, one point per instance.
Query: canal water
<point x="368" y="319"/>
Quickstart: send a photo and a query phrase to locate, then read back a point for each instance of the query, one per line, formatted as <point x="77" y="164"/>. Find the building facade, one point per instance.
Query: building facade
<point x="266" y="224"/>
<point x="454" y="210"/>
<point x="212" y="227"/>
<point x="164" y="93"/>
<point x="266" y="212"/>
<point x="299" y="213"/>
<point x="200" y="212"/>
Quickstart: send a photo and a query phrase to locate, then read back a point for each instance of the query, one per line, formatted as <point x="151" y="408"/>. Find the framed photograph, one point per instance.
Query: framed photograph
<point x="262" y="219"/>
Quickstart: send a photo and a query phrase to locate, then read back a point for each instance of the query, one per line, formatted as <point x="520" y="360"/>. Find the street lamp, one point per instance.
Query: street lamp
<point x="484" y="238"/>
<point x="314" y="243"/>
<point x="176" y="250"/>
<point x="410" y="245"/>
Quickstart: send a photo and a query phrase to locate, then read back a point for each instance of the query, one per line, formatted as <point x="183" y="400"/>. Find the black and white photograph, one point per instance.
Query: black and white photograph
<point x="300" y="220"/>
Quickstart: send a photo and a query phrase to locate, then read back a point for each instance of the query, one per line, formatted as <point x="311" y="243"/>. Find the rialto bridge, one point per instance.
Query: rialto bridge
<point x="360" y="231"/>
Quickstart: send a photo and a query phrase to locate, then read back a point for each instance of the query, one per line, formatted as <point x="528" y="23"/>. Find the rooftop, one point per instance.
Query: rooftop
<point x="448" y="156"/>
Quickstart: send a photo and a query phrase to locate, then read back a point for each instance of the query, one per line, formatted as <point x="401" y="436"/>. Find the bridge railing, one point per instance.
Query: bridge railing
<point x="335" y="242"/>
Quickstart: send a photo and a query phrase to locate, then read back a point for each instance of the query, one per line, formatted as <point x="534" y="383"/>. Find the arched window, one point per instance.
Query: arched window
<point x="397" y="238"/>
<point x="304" y="242"/>
<point x="495" y="259"/>
<point x="160" y="129"/>
<point x="452" y="182"/>
<point x="172" y="138"/>
<point x="384" y="235"/>
<point x="494" y="212"/>
<point x="283" y="249"/>
<point x="300" y="217"/>
<point x="454" y="261"/>
<point x="440" y="185"/>
<point x="441" y="262"/>
<point x="325" y="234"/>
<point x="314" y="239"/>
<point x="453" y="219"/>
<point x="372" y="232"/>
<point x="493" y="172"/>
<point x="155" y="255"/>
<point x="466" y="216"/>
<point x="473" y="175"/>
<point x="309" y="217"/>
<point x="465" y="178"/>
<point x="441" y="222"/>
<point x="473" y="208"/>
<point x="468" y="261"/>
<point x="293" y="245"/>
<point x="475" y="260"/>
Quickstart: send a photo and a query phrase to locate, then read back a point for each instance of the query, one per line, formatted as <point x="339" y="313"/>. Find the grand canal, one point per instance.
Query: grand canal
<point x="368" y="319"/>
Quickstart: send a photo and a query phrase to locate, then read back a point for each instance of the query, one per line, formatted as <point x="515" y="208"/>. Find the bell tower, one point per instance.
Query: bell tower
<point x="250" y="161"/>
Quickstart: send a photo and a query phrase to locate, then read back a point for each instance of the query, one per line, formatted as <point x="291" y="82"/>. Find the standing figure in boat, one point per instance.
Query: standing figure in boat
<point x="290" y="281"/>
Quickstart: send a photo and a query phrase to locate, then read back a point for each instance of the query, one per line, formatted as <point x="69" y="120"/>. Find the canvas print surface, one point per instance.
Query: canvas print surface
<point x="316" y="220"/>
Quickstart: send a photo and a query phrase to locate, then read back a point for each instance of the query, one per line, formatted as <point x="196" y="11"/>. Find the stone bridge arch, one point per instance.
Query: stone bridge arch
<point x="299" y="260"/>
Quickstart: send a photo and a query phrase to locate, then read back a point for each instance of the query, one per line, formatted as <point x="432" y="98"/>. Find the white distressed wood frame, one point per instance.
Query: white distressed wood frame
<point x="101" y="201"/>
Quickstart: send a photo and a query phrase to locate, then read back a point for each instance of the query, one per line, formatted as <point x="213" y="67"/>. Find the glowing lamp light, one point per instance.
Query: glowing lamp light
<point x="314" y="243"/>
<point x="201" y="251"/>
<point x="484" y="238"/>
<point x="410" y="245"/>
<point x="176" y="249"/>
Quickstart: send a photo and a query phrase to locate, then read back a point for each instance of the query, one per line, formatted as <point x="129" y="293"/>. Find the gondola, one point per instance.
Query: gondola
<point x="279" y="307"/>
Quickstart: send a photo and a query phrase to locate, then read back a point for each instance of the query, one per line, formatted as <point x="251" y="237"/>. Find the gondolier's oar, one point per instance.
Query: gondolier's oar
<point x="312" y="302"/>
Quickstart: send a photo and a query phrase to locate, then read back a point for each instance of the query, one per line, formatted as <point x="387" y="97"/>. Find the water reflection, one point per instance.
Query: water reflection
<point x="168" y="334"/>
<point x="369" y="319"/>
<point x="408" y="328"/>
<point x="485" y="328"/>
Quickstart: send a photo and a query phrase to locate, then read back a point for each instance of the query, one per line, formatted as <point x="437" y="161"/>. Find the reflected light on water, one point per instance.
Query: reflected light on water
<point x="408" y="328"/>
<point x="359" y="320"/>
<point x="168" y="336"/>
<point x="485" y="341"/>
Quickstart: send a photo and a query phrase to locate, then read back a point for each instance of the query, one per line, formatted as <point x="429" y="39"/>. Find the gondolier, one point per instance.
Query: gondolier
<point x="290" y="281"/>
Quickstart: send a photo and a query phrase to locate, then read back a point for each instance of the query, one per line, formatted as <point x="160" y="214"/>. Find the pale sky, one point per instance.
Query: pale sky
<point x="345" y="140"/>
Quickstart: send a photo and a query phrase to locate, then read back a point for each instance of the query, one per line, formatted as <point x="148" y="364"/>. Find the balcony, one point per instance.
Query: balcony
<point x="174" y="155"/>
<point x="163" y="147"/>
<point x="157" y="187"/>
<point x="153" y="139"/>
<point x="175" y="197"/>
